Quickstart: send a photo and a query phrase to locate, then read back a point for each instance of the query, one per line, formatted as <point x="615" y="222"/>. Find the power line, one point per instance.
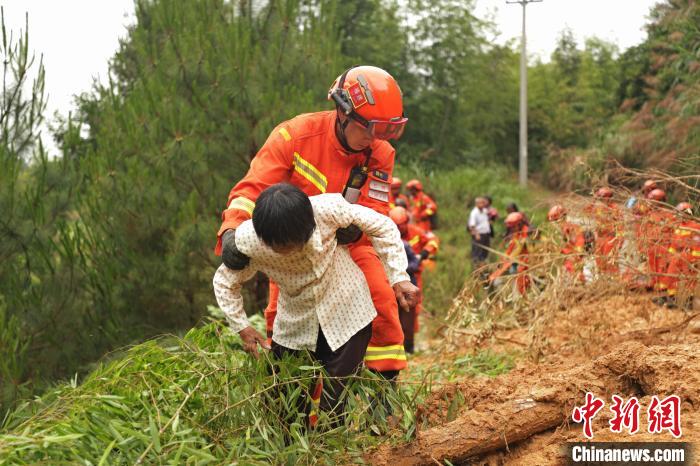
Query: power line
<point x="523" y="96"/>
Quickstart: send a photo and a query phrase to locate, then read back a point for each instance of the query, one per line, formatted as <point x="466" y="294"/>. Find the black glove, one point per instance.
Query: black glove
<point x="424" y="254"/>
<point x="230" y="255"/>
<point x="348" y="235"/>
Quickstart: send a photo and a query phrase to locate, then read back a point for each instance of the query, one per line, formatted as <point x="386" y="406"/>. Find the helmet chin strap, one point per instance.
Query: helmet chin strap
<point x="340" y="127"/>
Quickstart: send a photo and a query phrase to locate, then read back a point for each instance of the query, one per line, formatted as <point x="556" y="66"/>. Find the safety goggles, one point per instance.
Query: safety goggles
<point x="382" y="129"/>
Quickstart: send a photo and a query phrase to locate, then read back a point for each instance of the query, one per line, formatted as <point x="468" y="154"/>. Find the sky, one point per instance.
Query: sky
<point x="618" y="21"/>
<point x="78" y="37"/>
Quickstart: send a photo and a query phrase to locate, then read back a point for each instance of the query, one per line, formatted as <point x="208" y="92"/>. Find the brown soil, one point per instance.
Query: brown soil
<point x="621" y="345"/>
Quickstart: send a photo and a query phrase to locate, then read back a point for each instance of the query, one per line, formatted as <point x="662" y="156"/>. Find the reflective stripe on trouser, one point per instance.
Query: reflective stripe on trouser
<point x="385" y="351"/>
<point x="315" y="402"/>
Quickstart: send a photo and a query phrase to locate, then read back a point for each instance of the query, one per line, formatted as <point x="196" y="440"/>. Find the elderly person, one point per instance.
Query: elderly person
<point x="479" y="228"/>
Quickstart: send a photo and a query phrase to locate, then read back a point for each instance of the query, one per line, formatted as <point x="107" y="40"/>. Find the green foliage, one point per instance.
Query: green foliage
<point x="195" y="400"/>
<point x="571" y="98"/>
<point x="658" y="103"/>
<point x="455" y="192"/>
<point x="458" y="112"/>
<point x="38" y="250"/>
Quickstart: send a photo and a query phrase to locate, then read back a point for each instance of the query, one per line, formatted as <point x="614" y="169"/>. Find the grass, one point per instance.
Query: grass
<point x="200" y="399"/>
<point x="455" y="191"/>
<point x="194" y="400"/>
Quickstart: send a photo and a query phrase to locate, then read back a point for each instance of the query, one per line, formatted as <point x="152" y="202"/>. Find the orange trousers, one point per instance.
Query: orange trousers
<point x="682" y="270"/>
<point x="658" y="260"/>
<point x="385" y="351"/>
<point x="606" y="253"/>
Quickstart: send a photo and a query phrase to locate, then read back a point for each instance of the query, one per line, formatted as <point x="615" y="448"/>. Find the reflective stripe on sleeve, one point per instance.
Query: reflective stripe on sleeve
<point x="242" y="203"/>
<point x="311" y="173"/>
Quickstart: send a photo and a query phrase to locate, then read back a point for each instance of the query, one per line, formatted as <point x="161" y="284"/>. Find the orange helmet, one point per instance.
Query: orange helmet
<point x="414" y="184"/>
<point x="514" y="219"/>
<point x="398" y="215"/>
<point x="396" y="182"/>
<point x="685" y="207"/>
<point x="370" y="96"/>
<point x="648" y="186"/>
<point x="555" y="213"/>
<point x="604" y="193"/>
<point x="657" y="195"/>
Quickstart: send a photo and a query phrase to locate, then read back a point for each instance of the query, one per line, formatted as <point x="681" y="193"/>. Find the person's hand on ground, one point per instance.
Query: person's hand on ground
<point x="251" y="338"/>
<point x="407" y="294"/>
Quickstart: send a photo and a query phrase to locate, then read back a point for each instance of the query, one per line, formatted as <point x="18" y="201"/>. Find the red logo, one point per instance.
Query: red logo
<point x="665" y="415"/>
<point x="587" y="412"/>
<point x="626" y="415"/>
<point x="661" y="414"/>
<point x="357" y="95"/>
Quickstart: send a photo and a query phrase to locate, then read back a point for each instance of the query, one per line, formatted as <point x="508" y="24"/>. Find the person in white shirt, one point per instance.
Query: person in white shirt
<point x="325" y="305"/>
<point x="479" y="227"/>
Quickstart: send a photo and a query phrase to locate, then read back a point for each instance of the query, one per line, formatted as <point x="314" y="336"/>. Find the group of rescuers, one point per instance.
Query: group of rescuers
<point x="320" y="213"/>
<point x="646" y="244"/>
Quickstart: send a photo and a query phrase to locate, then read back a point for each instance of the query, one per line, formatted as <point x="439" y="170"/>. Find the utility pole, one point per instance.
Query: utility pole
<point x="523" y="96"/>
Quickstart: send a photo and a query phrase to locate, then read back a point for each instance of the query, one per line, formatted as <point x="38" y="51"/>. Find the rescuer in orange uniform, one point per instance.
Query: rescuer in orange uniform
<point x="342" y="151"/>
<point x="423" y="207"/>
<point x="574" y="241"/>
<point x="516" y="252"/>
<point x="684" y="262"/>
<point x="608" y="219"/>
<point x="397" y="198"/>
<point x="425" y="244"/>
<point x="657" y="238"/>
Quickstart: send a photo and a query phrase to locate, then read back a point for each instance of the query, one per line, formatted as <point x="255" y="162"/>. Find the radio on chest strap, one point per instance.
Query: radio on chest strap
<point x="358" y="178"/>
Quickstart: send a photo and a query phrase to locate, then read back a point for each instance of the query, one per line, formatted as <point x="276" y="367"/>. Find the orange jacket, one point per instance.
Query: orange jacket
<point x="686" y="239"/>
<point x="422" y="208"/>
<point x="659" y="229"/>
<point x="516" y="251"/>
<point x="608" y="218"/>
<point x="575" y="242"/>
<point x="419" y="239"/>
<point x="305" y="152"/>
<point x="392" y="200"/>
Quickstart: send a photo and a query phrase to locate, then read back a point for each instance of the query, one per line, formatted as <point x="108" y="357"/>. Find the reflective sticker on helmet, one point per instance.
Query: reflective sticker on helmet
<point x="379" y="186"/>
<point x="378" y="195"/>
<point x="357" y="95"/>
<point x="365" y="86"/>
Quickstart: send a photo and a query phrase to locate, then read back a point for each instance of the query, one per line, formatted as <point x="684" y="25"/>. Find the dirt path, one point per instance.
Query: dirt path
<point x="621" y="345"/>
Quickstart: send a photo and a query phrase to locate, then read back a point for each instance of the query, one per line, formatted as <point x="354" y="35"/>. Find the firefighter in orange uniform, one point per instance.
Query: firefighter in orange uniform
<point x="425" y="244"/>
<point x="342" y="151"/>
<point x="574" y="241"/>
<point x="684" y="262"/>
<point x="516" y="252"/>
<point x="608" y="219"/>
<point x="423" y="207"/>
<point x="397" y="198"/>
<point x="656" y="238"/>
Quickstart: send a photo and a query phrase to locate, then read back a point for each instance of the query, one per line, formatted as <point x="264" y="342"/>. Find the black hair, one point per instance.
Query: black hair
<point x="488" y="198"/>
<point x="512" y="205"/>
<point x="283" y="216"/>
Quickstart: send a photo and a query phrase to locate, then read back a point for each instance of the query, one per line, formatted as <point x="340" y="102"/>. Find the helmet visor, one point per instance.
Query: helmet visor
<point x="391" y="129"/>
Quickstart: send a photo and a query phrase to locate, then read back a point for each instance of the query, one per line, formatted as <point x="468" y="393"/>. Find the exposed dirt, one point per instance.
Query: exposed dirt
<point x="621" y="345"/>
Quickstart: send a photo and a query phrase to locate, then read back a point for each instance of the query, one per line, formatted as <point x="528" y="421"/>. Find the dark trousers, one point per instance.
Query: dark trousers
<point x="408" y="322"/>
<point x="341" y="363"/>
<point x="479" y="254"/>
